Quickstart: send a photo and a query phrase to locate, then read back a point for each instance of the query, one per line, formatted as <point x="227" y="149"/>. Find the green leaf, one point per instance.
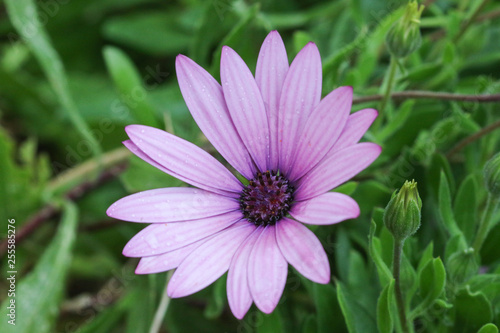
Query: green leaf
<point x="384" y="309"/>
<point x="472" y="311"/>
<point x="347" y="188"/>
<point x="23" y="15"/>
<point x="39" y="293"/>
<point x="309" y="325"/>
<point x="488" y="328"/>
<point x="158" y="33"/>
<point x="325" y="300"/>
<point x="375" y="250"/>
<point x="445" y="211"/>
<point x="425" y="257"/>
<point x="271" y="323"/>
<point x="142" y="295"/>
<point x="432" y="281"/>
<point x="130" y="85"/>
<point x="465" y="207"/>
<point x="356" y="316"/>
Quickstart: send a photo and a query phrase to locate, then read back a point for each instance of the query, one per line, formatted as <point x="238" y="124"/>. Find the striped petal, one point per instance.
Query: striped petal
<point x="356" y="126"/>
<point x="322" y="130"/>
<point x="272" y="66"/>
<point x="166" y="261"/>
<point x="171" y="205"/>
<point x="326" y="208"/>
<point x="238" y="291"/>
<point x="245" y="105"/>
<point x="194" y="164"/>
<point x="303" y="250"/>
<point x="165" y="237"/>
<point x="336" y="168"/>
<point x="205" y="100"/>
<point x="267" y="271"/>
<point x="301" y="93"/>
<point x="208" y="261"/>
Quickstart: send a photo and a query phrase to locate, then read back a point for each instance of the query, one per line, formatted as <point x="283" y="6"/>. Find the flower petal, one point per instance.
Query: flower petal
<point x="272" y="66"/>
<point x="205" y="100"/>
<point x="171" y="205"/>
<point x="245" y="105"/>
<point x="303" y="250"/>
<point x="166" y="261"/>
<point x="160" y="238"/>
<point x="326" y="208"/>
<point x="356" y="126"/>
<point x="238" y="292"/>
<point x="209" y="261"/>
<point x="194" y="164"/>
<point x="322" y="130"/>
<point x="336" y="168"/>
<point x="301" y="93"/>
<point x="267" y="271"/>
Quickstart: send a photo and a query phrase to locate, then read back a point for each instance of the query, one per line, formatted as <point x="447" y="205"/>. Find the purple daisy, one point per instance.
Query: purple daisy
<point x="292" y="146"/>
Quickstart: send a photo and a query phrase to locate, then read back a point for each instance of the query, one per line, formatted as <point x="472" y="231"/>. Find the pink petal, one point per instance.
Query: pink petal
<point x="326" y="208"/>
<point x="166" y="261"/>
<point x="356" y="126"/>
<point x="267" y="271"/>
<point x="336" y="168"/>
<point x="205" y="100"/>
<point x="171" y="205"/>
<point x="322" y="130"/>
<point x="160" y="238"/>
<point x="209" y="261"/>
<point x="301" y="93"/>
<point x="303" y="250"/>
<point x="272" y="66"/>
<point x="183" y="158"/>
<point x="245" y="105"/>
<point x="238" y="292"/>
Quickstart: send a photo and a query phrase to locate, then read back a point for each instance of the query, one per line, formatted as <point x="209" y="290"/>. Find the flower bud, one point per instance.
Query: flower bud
<point x="403" y="38"/>
<point x="402" y="214"/>
<point x="492" y="175"/>
<point x="462" y="265"/>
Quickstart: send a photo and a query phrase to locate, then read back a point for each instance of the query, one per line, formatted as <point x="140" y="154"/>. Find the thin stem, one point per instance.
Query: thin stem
<point x="420" y="94"/>
<point x="471" y="138"/>
<point x="484" y="225"/>
<point x="390" y="82"/>
<point x="396" y="268"/>
<point x="162" y="308"/>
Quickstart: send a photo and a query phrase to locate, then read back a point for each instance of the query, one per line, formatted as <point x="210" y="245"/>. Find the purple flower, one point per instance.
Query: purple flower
<point x="290" y="145"/>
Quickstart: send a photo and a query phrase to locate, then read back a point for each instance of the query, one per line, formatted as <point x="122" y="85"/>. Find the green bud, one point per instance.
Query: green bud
<point x="404" y="37"/>
<point x="492" y="175"/>
<point x="462" y="265"/>
<point x="402" y="214"/>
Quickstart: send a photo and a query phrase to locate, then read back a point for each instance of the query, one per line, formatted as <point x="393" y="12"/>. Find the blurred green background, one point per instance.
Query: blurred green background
<point x="73" y="73"/>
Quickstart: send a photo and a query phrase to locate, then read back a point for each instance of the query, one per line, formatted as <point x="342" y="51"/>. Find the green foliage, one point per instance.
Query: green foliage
<point x="74" y="73"/>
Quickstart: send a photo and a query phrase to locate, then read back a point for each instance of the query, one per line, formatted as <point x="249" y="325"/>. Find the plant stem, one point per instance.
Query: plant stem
<point x="162" y="308"/>
<point x="471" y="138"/>
<point x="390" y="82"/>
<point x="396" y="268"/>
<point x="484" y="225"/>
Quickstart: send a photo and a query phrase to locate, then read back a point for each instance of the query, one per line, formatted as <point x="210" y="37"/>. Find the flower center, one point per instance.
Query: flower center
<point x="267" y="198"/>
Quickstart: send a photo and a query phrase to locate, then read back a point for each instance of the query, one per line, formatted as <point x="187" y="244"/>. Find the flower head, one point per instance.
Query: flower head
<point x="404" y="37"/>
<point x="402" y="214"/>
<point x="290" y="145"/>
